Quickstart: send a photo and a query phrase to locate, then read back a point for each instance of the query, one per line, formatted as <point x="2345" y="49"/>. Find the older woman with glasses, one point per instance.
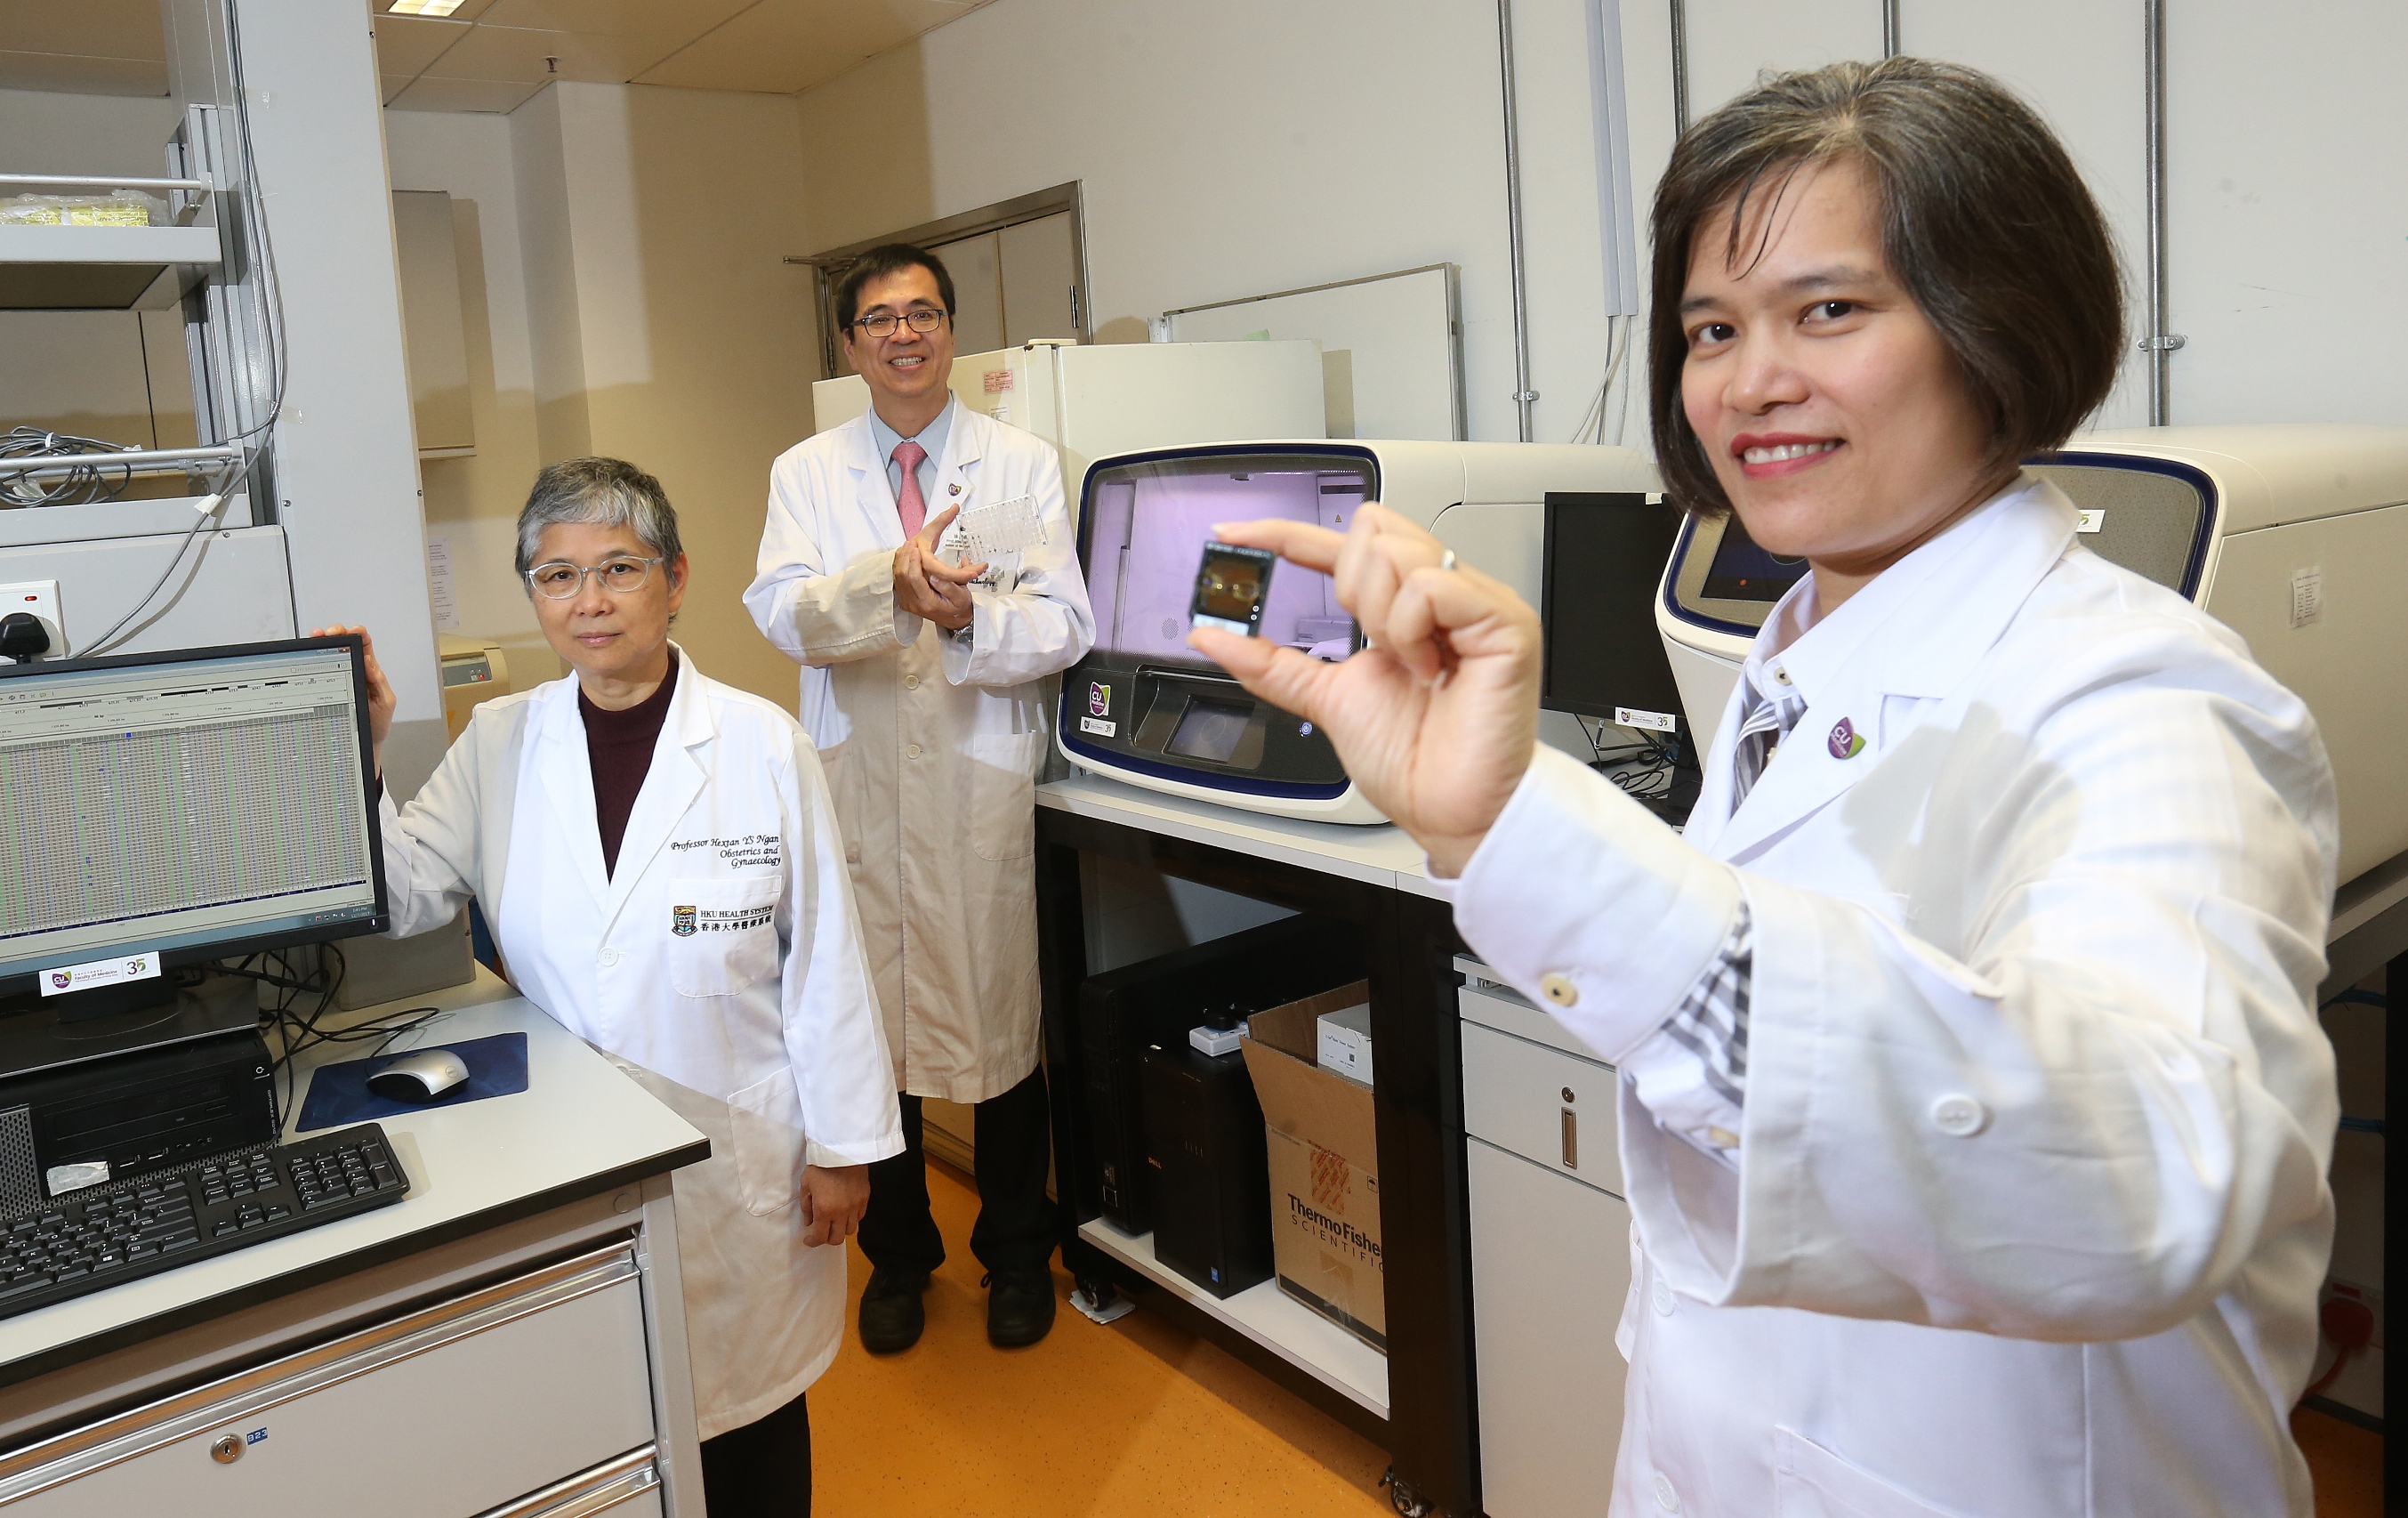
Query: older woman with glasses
<point x="659" y="860"/>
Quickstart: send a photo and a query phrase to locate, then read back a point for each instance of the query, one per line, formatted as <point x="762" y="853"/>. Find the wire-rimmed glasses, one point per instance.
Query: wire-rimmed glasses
<point x="919" y="318"/>
<point x="558" y="579"/>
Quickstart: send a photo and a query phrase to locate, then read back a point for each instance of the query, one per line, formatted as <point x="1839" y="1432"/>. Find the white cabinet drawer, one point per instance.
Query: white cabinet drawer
<point x="1542" y="1104"/>
<point x="1550" y="1270"/>
<point x="446" y="1412"/>
<point x="627" y="1487"/>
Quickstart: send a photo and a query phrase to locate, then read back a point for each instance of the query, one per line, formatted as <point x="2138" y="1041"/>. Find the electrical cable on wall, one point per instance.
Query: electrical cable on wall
<point x="272" y="308"/>
<point x="83" y="484"/>
<point x="204" y="511"/>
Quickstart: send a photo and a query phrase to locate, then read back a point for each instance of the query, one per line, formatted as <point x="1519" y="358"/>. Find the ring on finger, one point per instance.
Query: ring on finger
<point x="1446" y="560"/>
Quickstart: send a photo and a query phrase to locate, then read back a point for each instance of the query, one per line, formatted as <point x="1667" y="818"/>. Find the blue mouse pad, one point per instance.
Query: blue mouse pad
<point x="338" y="1093"/>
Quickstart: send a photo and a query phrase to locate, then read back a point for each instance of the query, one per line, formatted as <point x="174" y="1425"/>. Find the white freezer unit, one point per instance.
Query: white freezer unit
<point x="2295" y="536"/>
<point x="1090" y="402"/>
<point x="1145" y="708"/>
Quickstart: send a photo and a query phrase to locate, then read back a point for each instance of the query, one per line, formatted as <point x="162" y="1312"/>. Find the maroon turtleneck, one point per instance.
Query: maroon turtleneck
<point x="619" y="745"/>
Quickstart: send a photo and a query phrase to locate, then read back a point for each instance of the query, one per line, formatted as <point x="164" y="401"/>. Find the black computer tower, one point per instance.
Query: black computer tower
<point x="1124" y="1012"/>
<point x="1209" y="1168"/>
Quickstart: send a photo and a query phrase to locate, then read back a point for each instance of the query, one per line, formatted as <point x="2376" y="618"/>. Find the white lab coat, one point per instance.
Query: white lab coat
<point x="756" y="1025"/>
<point x="932" y="744"/>
<point x="2029" y="1214"/>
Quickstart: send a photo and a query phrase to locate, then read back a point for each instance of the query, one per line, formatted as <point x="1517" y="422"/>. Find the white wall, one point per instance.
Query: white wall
<point x="664" y="327"/>
<point x="2287" y="165"/>
<point x="1245" y="147"/>
<point x="1252" y="146"/>
<point x="474" y="502"/>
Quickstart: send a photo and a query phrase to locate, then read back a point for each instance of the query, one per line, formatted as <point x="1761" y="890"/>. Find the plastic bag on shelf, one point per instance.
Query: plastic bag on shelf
<point x="119" y="207"/>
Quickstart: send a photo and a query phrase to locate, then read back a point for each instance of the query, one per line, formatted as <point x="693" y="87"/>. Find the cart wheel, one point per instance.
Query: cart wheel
<point x="1101" y="1292"/>
<point x="1402" y="1497"/>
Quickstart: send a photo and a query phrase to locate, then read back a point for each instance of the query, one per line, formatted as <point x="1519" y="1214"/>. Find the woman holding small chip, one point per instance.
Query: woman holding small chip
<point x="1974" y="1110"/>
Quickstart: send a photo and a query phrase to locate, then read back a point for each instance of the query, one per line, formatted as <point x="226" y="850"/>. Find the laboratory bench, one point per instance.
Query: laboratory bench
<point x="508" y="1340"/>
<point x="1464" y="1150"/>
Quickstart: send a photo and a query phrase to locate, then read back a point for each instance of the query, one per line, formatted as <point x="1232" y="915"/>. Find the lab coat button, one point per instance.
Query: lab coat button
<point x="1666" y="1497"/>
<point x="1959" y="1116"/>
<point x="912" y="752"/>
<point x="1780" y="677"/>
<point x="1560" y="991"/>
<point x="911" y="682"/>
<point x="1663" y="1296"/>
<point x="609" y="957"/>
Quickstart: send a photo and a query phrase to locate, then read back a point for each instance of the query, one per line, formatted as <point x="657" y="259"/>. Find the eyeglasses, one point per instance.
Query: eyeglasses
<point x="558" y="579"/>
<point x="921" y="319"/>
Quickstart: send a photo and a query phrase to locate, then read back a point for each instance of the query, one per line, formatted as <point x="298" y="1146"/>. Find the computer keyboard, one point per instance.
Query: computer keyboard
<point x="95" y="1239"/>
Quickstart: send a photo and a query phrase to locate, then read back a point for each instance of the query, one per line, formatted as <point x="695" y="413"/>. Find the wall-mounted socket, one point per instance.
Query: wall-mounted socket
<point x="41" y="598"/>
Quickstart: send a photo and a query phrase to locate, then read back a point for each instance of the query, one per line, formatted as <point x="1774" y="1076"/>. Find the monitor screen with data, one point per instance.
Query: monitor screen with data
<point x="191" y="804"/>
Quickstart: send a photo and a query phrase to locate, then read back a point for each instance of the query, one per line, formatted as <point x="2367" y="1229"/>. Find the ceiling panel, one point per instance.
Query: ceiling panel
<point x="522" y="53"/>
<point x="782" y="46"/>
<point x="72" y="74"/>
<point x="430" y="94"/>
<point x="665" y="25"/>
<point x="86" y="28"/>
<point x="407" y="44"/>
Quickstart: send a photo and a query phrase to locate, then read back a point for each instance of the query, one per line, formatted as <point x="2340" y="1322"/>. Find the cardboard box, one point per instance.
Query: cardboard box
<point x="1345" y="1042"/>
<point x="1325" y="1168"/>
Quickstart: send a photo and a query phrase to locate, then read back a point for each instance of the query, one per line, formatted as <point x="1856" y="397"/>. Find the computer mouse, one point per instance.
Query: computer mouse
<point x="422" y="1076"/>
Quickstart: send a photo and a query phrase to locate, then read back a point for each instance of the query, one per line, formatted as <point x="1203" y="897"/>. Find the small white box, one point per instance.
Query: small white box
<point x="1216" y="1041"/>
<point x="1345" y="1042"/>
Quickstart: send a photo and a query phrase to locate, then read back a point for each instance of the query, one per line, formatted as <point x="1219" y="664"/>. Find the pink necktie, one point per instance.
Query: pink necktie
<point x="907" y="495"/>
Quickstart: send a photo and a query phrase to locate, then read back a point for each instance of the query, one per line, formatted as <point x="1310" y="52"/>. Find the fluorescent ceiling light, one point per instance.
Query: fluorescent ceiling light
<point x="424" y="7"/>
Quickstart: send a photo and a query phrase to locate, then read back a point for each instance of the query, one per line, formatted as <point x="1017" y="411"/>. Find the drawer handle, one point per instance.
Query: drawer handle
<point x="1572" y="1139"/>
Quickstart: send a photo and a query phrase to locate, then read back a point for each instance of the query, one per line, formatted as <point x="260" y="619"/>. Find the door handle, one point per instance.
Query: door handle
<point x="1572" y="1139"/>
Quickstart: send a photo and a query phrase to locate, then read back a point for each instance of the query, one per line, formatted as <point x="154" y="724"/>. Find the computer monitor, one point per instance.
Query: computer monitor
<point x="1602" y="657"/>
<point x="163" y="809"/>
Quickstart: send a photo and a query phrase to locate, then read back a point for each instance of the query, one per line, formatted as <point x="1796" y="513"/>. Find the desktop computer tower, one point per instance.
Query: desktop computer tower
<point x="1208" y="1168"/>
<point x="1124" y="1012"/>
<point x="103" y="1120"/>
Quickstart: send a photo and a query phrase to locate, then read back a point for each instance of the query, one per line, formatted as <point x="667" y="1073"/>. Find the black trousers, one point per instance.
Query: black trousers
<point x="1017" y="1227"/>
<point x="762" y="1470"/>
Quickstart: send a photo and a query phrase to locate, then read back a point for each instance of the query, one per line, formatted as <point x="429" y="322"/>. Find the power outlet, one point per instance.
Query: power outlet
<point x="41" y="598"/>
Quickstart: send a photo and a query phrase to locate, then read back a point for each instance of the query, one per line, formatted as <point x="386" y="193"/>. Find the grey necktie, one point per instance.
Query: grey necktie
<point x="1763" y="732"/>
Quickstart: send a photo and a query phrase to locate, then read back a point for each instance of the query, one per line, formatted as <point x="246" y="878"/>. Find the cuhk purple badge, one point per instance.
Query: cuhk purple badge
<point x="1846" y="742"/>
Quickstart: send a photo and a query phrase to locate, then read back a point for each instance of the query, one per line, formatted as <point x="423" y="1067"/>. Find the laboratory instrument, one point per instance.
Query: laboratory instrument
<point x="1145" y="708"/>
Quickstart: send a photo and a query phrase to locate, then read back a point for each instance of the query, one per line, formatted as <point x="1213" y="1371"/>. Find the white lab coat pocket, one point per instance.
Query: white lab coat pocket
<point x="768" y="1143"/>
<point x="1003" y="794"/>
<point x="1810" y="1481"/>
<point x="723" y="934"/>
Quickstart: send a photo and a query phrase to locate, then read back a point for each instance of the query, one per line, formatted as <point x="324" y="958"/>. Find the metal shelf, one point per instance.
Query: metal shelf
<point x="103" y="268"/>
<point x="1269" y="1316"/>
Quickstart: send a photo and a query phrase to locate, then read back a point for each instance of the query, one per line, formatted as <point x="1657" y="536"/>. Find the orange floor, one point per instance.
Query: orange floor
<point x="1140" y="1418"/>
<point x="1136" y="1417"/>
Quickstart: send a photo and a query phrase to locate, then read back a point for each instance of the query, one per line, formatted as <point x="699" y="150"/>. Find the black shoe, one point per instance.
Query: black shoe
<point x="1019" y="1306"/>
<point x="892" y="1315"/>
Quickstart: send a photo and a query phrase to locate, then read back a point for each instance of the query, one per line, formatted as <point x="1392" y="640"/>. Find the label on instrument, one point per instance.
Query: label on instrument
<point x="2093" y="520"/>
<point x="1631" y="716"/>
<point x="1099" y="728"/>
<point x="66" y="977"/>
<point x="2307" y="596"/>
<point x="998" y="381"/>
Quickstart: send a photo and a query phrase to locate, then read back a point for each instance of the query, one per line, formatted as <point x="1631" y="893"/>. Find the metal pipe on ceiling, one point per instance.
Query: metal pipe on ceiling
<point x="2160" y="344"/>
<point x="1524" y="397"/>
<point x="1889" y="28"/>
<point x="1679" y="65"/>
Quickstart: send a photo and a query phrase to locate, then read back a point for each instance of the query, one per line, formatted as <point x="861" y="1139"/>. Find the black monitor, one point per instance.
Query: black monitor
<point x="1604" y="557"/>
<point x="159" y="810"/>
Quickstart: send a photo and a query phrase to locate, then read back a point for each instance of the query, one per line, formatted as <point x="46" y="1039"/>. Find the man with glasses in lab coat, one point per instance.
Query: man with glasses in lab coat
<point x="921" y="686"/>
